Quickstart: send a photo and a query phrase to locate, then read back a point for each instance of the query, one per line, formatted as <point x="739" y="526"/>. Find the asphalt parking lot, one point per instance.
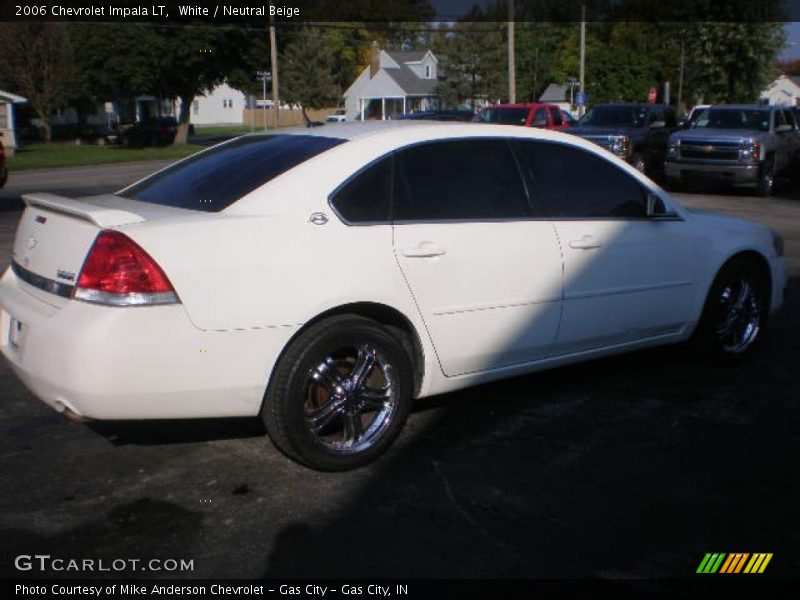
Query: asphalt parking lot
<point x="631" y="467"/>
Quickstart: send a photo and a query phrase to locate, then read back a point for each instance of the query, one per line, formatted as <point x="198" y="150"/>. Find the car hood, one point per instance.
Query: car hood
<point x="591" y="130"/>
<point x="717" y="134"/>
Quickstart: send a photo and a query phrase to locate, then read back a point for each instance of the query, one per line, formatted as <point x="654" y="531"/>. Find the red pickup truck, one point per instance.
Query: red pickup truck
<point x="545" y="116"/>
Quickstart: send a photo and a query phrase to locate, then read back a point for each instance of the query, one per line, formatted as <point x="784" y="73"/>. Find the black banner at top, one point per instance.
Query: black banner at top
<point x="257" y="12"/>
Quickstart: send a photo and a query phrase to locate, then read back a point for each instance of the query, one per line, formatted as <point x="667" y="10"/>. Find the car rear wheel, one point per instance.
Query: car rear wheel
<point x="735" y="314"/>
<point x="340" y="394"/>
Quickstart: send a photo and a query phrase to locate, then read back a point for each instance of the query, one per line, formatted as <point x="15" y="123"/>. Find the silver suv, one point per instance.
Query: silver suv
<point x="736" y="144"/>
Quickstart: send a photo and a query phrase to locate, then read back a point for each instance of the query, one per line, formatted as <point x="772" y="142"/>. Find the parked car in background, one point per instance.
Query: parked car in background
<point x="176" y="297"/>
<point x="439" y="115"/>
<point x="745" y="145"/>
<point x="3" y="167"/>
<point x="688" y="120"/>
<point x="543" y="116"/>
<point x="96" y="134"/>
<point x="337" y="117"/>
<point x="637" y="133"/>
<point x="158" y="131"/>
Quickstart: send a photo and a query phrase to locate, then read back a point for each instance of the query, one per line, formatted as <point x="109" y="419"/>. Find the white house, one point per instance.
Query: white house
<point x="785" y="90"/>
<point x="7" y="135"/>
<point x="223" y="105"/>
<point x="556" y="94"/>
<point x="394" y="83"/>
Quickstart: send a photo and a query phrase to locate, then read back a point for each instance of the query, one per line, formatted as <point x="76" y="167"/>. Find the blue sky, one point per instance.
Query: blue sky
<point x="792" y="48"/>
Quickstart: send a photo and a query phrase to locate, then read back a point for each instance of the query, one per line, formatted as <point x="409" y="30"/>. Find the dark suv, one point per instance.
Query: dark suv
<point x="637" y="133"/>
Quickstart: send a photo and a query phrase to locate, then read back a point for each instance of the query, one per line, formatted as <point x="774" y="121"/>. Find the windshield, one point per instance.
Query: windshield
<point x="733" y="118"/>
<point x="215" y="179"/>
<point x="504" y="116"/>
<point x="615" y="116"/>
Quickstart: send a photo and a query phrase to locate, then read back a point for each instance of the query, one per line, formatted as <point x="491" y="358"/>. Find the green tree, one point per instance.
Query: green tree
<point x="306" y="75"/>
<point x="473" y="62"/>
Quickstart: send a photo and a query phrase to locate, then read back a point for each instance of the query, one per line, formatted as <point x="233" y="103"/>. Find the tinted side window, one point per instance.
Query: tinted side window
<point x="460" y="180"/>
<point x="557" y="116"/>
<point x="365" y="198"/>
<point x="541" y="116"/>
<point x="575" y="183"/>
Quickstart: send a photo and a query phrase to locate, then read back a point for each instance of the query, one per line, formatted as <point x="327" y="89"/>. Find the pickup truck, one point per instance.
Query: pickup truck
<point x="735" y="144"/>
<point x="637" y="133"/>
<point x="531" y="114"/>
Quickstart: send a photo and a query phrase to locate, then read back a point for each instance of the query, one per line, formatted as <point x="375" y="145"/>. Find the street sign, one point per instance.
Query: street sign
<point x="651" y="97"/>
<point x="580" y="99"/>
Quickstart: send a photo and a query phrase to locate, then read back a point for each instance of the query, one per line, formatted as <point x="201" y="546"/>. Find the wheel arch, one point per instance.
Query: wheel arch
<point x="755" y="257"/>
<point x="400" y="325"/>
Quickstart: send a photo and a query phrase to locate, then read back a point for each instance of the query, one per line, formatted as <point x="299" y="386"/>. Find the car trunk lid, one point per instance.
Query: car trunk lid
<point x="55" y="234"/>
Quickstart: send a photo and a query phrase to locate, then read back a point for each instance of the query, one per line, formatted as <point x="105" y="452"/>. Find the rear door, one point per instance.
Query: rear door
<point x="483" y="266"/>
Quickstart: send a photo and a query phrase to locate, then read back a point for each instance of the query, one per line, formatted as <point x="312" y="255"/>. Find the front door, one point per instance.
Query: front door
<point x="626" y="277"/>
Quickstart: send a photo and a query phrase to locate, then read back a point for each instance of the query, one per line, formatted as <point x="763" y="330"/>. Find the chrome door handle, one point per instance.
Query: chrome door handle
<point x="587" y="242"/>
<point x="424" y="250"/>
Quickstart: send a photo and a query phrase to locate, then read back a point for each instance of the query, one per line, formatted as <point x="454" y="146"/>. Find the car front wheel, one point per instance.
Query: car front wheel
<point x="735" y="313"/>
<point x="766" y="183"/>
<point x="340" y="394"/>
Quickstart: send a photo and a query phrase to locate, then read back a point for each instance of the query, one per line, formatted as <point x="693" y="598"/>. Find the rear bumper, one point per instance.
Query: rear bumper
<point x="104" y="362"/>
<point x="712" y="171"/>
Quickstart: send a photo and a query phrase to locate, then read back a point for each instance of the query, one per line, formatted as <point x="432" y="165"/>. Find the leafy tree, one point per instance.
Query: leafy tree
<point x="306" y="75"/>
<point x="36" y="60"/>
<point x="473" y="59"/>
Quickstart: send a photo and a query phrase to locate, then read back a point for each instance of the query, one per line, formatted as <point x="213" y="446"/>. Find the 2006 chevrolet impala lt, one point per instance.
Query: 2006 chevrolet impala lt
<point x="325" y="278"/>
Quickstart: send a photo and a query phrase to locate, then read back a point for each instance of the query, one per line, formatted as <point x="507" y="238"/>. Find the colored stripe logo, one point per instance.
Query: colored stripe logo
<point x="737" y="562"/>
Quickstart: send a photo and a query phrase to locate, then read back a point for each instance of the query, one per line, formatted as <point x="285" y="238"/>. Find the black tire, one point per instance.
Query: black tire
<point x="638" y="162"/>
<point x="721" y="337"/>
<point x="316" y="379"/>
<point x="766" y="181"/>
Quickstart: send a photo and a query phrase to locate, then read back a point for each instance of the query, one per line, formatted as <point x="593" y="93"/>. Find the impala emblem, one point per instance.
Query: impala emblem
<point x="31" y="243"/>
<point x="318" y="218"/>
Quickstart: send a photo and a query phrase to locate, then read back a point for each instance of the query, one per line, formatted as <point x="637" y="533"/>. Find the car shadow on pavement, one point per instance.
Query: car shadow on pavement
<point x="178" y="431"/>
<point x="623" y="468"/>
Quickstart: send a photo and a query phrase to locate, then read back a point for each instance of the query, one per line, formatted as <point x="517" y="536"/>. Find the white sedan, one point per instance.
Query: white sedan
<point x="323" y="279"/>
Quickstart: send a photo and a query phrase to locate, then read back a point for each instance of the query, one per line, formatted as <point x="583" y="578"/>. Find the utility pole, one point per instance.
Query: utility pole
<point x="680" y="76"/>
<point x="512" y="74"/>
<point x="273" y="56"/>
<point x="582" y="107"/>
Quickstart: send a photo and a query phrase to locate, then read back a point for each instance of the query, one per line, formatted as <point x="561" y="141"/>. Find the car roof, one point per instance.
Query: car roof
<point x="522" y="105"/>
<point x="744" y="106"/>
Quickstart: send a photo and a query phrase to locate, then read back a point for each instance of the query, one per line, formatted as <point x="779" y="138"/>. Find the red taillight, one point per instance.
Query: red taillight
<point x="118" y="271"/>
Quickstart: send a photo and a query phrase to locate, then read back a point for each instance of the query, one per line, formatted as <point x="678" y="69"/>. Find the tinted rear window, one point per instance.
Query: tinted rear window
<point x="213" y="180"/>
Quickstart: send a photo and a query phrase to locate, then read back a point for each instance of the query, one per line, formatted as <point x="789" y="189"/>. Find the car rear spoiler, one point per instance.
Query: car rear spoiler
<point x="99" y="215"/>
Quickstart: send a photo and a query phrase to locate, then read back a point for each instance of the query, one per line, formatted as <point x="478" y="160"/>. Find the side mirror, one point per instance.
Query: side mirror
<point x="655" y="207"/>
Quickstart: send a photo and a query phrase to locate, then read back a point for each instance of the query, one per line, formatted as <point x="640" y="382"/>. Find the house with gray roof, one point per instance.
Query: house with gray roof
<point x="394" y="83"/>
<point x="784" y="91"/>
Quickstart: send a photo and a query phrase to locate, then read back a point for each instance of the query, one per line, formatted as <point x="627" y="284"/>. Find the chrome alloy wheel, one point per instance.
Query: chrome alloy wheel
<point x="350" y="399"/>
<point x="740" y="314"/>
